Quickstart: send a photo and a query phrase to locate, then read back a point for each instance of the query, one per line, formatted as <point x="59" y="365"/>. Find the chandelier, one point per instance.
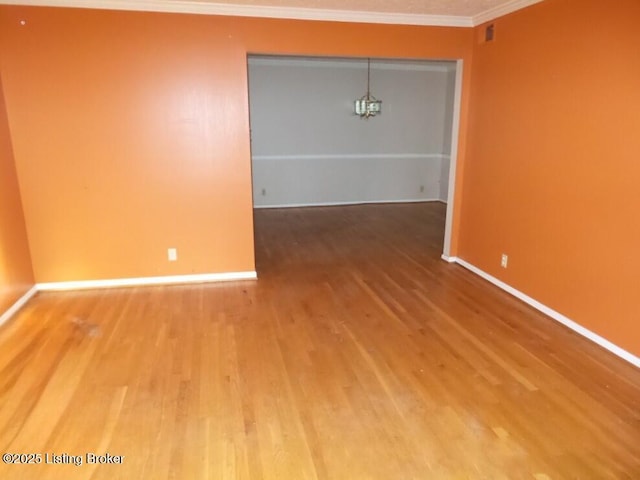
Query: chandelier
<point x="368" y="106"/>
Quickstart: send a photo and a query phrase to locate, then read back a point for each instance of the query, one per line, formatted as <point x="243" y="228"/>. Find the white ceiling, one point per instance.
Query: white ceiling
<point x="460" y="13"/>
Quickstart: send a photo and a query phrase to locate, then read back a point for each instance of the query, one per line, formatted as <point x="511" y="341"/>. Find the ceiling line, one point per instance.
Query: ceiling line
<point x="296" y="13"/>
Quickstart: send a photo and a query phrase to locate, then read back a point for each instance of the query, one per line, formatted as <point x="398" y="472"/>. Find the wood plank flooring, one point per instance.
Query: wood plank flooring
<point x="358" y="354"/>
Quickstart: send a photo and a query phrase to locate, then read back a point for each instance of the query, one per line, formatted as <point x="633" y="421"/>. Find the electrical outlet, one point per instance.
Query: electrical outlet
<point x="264" y="192"/>
<point x="172" y="254"/>
<point x="421" y="188"/>
<point x="504" y="261"/>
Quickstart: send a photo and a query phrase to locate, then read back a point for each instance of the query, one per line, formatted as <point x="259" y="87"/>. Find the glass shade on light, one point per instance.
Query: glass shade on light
<point x="367" y="106"/>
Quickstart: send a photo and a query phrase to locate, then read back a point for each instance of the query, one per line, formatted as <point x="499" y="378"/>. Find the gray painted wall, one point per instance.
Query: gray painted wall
<point x="308" y="147"/>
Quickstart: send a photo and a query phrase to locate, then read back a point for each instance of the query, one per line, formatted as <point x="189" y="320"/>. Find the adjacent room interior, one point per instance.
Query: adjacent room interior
<point x="310" y="148"/>
<point x="210" y="267"/>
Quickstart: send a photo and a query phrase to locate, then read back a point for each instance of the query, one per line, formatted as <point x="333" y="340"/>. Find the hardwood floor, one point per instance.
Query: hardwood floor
<point x="358" y="354"/>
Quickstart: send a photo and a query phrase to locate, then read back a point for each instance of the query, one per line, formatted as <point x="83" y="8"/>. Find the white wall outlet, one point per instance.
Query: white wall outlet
<point x="421" y="188"/>
<point x="172" y="254"/>
<point x="264" y="192"/>
<point x="504" y="261"/>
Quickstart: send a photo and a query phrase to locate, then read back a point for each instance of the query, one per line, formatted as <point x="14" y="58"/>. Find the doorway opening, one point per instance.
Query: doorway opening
<point x="310" y="149"/>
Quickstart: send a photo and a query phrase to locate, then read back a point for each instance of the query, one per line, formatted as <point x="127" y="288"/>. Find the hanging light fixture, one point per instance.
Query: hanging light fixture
<point x="368" y="106"/>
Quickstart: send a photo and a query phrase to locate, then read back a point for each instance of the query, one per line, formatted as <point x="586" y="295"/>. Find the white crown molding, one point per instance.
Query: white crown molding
<point x="142" y="281"/>
<point x="294" y="13"/>
<point x="501" y="10"/>
<point x="13" y="309"/>
<point x="208" y="8"/>
<point x="557" y="316"/>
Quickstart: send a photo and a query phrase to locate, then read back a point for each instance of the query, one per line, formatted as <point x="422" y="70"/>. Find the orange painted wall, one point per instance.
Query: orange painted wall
<point x="552" y="175"/>
<point x="131" y="130"/>
<point x="16" y="275"/>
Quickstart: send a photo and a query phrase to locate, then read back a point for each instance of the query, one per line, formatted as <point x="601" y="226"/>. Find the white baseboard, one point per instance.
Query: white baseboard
<point x="13" y="309"/>
<point x="576" y="327"/>
<point x="231" y="276"/>
<point x="124" y="282"/>
<point x="142" y="281"/>
<point x="346" y="203"/>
